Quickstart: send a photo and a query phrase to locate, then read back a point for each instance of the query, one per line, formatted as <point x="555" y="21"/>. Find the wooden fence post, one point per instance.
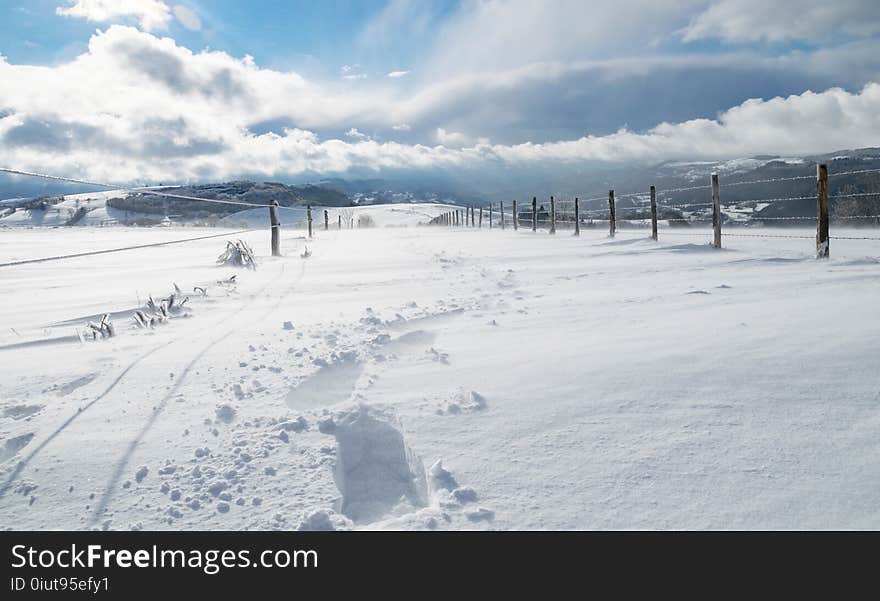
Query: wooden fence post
<point x="326" y="220"/>
<point x="612" y="217"/>
<point x="309" y="216"/>
<point x="490" y="215"/>
<point x="552" y="215"/>
<point x="534" y="213"/>
<point x="515" y="218"/>
<point x="822" y="237"/>
<point x="653" y="212"/>
<point x="275" y="227"/>
<point x="577" y="217"/>
<point x="716" y="211"/>
<point x="481" y="217"/>
<point x="501" y="211"/>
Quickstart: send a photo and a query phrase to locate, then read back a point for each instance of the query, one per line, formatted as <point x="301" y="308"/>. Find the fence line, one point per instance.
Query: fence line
<point x="116" y="250"/>
<point x="561" y="209"/>
<point x="566" y="210"/>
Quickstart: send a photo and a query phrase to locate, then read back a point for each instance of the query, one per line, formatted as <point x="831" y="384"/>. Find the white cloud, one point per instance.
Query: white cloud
<point x="152" y="14"/>
<point x="396" y="74"/>
<point x="187" y="17"/>
<point x="349" y="72"/>
<point x="797" y="125"/>
<point x="137" y="107"/>
<point x="784" y="20"/>
<point x="354" y="133"/>
<point x="450" y="138"/>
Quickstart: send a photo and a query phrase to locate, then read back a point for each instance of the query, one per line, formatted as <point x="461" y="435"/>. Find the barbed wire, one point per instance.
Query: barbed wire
<point x="685" y="189"/>
<point x="813" y="217"/>
<point x="743" y="183"/>
<point x="767" y="236"/>
<point x="145" y="191"/>
<point x="768" y="180"/>
<point x="681" y="206"/>
<point x="855" y="194"/>
<point x="667" y="232"/>
<point x="115" y="250"/>
<point x="770" y="200"/>
<point x="854" y="172"/>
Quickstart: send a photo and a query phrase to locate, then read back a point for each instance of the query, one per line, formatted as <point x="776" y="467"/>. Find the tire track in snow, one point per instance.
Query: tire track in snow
<point x="122" y="464"/>
<point x="64" y="425"/>
<point x="19" y="469"/>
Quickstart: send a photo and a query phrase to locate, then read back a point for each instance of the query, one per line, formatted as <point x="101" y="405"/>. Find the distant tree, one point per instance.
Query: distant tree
<point x="857" y="206"/>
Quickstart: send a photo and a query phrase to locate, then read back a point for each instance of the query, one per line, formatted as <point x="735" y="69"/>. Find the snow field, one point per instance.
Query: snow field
<point x="432" y="378"/>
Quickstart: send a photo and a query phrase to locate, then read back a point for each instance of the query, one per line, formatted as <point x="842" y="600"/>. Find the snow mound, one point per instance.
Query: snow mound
<point x="324" y="520"/>
<point x="469" y="401"/>
<point x="376" y="472"/>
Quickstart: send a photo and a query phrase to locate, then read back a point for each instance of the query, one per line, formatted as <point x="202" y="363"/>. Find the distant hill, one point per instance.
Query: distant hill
<point x="791" y="191"/>
<point x="239" y="191"/>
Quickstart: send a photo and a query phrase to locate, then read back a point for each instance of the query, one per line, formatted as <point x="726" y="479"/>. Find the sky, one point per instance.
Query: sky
<point x="153" y="91"/>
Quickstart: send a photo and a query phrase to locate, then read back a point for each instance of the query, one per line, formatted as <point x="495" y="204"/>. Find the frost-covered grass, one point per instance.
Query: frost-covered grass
<point x="560" y="382"/>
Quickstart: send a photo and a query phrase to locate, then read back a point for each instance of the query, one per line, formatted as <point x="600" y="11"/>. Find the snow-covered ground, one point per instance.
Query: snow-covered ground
<point x="388" y="215"/>
<point x="442" y="378"/>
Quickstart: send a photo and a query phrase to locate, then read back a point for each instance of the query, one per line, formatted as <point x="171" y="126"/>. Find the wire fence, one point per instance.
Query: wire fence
<point x="658" y="206"/>
<point x="642" y="209"/>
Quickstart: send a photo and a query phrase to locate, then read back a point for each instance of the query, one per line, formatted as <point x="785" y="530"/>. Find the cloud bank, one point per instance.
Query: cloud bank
<point x="136" y="107"/>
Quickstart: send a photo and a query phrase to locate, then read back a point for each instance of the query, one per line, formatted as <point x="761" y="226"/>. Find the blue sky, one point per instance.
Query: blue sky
<point x="309" y="36"/>
<point x="193" y="90"/>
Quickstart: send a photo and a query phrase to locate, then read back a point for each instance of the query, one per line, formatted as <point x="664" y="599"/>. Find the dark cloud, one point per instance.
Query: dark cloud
<point x="51" y="135"/>
<point x="602" y="99"/>
<point x="163" y="67"/>
<point x="155" y="139"/>
<point x="162" y="138"/>
<point x="168" y="69"/>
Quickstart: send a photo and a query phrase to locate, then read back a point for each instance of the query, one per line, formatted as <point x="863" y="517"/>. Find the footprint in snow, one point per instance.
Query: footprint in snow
<point x="21" y="411"/>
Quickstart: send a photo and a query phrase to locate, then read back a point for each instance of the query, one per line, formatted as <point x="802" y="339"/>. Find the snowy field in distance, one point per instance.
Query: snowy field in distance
<point x="560" y="382"/>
